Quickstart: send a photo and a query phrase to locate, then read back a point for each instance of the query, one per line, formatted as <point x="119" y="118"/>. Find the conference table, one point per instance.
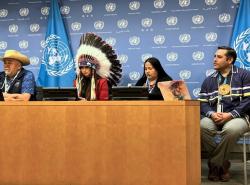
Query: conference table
<point x="100" y="143"/>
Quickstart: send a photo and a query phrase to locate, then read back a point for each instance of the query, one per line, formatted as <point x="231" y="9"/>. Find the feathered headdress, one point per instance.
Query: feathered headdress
<point x="96" y="52"/>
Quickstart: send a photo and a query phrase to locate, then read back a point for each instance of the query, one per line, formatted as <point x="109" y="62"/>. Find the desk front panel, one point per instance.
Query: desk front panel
<point x="100" y="143"/>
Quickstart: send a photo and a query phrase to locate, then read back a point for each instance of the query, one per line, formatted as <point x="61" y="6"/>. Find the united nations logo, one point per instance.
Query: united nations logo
<point x="122" y="23"/>
<point x="23" y="44"/>
<point x="99" y="25"/>
<point x="134" y="40"/>
<point x="65" y="10"/>
<point x="209" y="72"/>
<point x="184" y="3"/>
<point x="76" y="26"/>
<point x="171" y="21"/>
<point x="242" y="47"/>
<point x="110" y="7"/>
<point x="88" y="8"/>
<point x="146" y="23"/>
<point x="34" y="28"/>
<point x="45" y="10"/>
<point x="123" y="58"/>
<point x="111" y="41"/>
<point x="211" y="36"/>
<point x="236" y="1"/>
<point x="24" y="12"/>
<point x="3" y="45"/>
<point x="13" y="28"/>
<point x="210" y="2"/>
<point x="159" y="39"/>
<point x="134" y="5"/>
<point x="185" y="74"/>
<point x="198" y="55"/>
<point x="134" y="75"/>
<point x="145" y="56"/>
<point x="172" y="56"/>
<point x="185" y="38"/>
<point x="56" y="56"/>
<point x="196" y="92"/>
<point x="224" y="17"/>
<point x="159" y="4"/>
<point x="42" y="43"/>
<point x="34" y="61"/>
<point x="3" y="13"/>
<point x="198" y="19"/>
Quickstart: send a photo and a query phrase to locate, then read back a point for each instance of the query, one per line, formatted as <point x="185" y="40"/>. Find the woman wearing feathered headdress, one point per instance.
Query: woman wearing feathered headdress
<point x="97" y="68"/>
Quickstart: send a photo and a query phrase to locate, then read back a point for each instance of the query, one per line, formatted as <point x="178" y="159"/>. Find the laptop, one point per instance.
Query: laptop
<point x="59" y="94"/>
<point x="1" y="95"/>
<point x="174" y="90"/>
<point x="129" y="93"/>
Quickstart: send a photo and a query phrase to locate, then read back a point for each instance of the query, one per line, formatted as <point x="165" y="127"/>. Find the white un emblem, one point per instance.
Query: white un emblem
<point x="34" y="27"/>
<point x="76" y="26"/>
<point x="210" y="2"/>
<point x="134" y="40"/>
<point x="198" y="55"/>
<point x="88" y="8"/>
<point x="3" y="45"/>
<point x="224" y="18"/>
<point x="185" y="74"/>
<point x="159" y="39"/>
<point x="184" y="3"/>
<point x="65" y="10"/>
<point x="134" y="75"/>
<point x="3" y="13"/>
<point x="56" y="56"/>
<point x="23" y="44"/>
<point x="45" y="11"/>
<point x="13" y="28"/>
<point x="123" y="58"/>
<point x="99" y="25"/>
<point x="122" y="23"/>
<point x="34" y="61"/>
<point x="242" y="46"/>
<point x="24" y="12"/>
<point x="134" y="5"/>
<point x="111" y="41"/>
<point x="211" y="36"/>
<point x="159" y="4"/>
<point x="110" y="7"/>
<point x="198" y="19"/>
<point x="172" y="56"/>
<point x="196" y="92"/>
<point x="171" y="21"/>
<point x="146" y="23"/>
<point x="185" y="38"/>
<point x="145" y="56"/>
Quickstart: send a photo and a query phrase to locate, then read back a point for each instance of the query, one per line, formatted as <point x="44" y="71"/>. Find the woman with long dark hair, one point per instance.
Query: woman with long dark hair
<point x="153" y="73"/>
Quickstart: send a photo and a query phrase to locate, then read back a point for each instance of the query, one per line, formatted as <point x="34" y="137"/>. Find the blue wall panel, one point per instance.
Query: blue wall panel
<point x="183" y="34"/>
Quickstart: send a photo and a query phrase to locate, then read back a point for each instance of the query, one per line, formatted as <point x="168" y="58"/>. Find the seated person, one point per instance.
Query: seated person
<point x="225" y="102"/>
<point x="90" y="85"/>
<point x="153" y="73"/>
<point x="97" y="68"/>
<point x="16" y="83"/>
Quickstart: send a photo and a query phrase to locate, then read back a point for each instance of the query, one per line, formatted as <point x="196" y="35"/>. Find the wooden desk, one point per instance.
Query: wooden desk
<point x="100" y="143"/>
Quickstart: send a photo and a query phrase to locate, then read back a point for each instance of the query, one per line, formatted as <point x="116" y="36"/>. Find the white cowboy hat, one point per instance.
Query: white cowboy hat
<point x="13" y="54"/>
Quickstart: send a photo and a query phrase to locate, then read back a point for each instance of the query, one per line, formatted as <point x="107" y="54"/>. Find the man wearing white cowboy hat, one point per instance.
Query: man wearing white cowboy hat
<point x="16" y="83"/>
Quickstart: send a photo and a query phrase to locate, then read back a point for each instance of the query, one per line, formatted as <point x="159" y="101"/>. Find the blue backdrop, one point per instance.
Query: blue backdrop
<point x="183" y="34"/>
